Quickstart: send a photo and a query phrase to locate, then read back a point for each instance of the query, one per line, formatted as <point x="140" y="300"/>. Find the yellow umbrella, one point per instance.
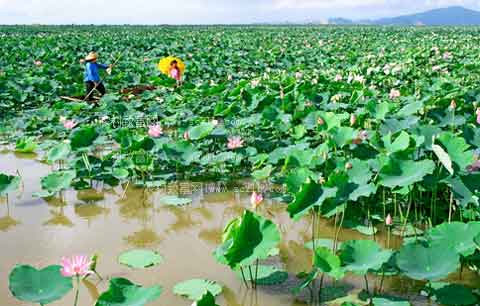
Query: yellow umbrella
<point x="164" y="64"/>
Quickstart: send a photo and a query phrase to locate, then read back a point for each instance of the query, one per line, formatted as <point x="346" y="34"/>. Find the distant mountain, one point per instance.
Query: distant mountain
<point x="454" y="15"/>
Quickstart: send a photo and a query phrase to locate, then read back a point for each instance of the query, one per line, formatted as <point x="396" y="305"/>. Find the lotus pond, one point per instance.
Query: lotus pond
<point x="293" y="166"/>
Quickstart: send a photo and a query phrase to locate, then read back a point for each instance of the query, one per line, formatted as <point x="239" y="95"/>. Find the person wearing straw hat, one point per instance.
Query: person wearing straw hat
<point x="92" y="76"/>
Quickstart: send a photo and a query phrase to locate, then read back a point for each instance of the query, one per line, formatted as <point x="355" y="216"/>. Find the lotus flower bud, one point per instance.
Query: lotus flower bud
<point x="388" y="220"/>
<point x="453" y="105"/>
<point x="320" y="121"/>
<point x="256" y="199"/>
<point x="348" y="166"/>
<point x="353" y="119"/>
<point x="321" y="180"/>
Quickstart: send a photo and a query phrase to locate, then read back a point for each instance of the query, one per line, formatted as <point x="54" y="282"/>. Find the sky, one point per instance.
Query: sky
<point x="208" y="11"/>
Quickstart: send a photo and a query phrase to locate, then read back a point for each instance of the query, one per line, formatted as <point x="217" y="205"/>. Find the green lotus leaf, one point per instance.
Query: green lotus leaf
<point x="326" y="243"/>
<point x="8" y="183"/>
<point x="39" y="286"/>
<point x="83" y="137"/>
<point x="58" y="152"/>
<point x="465" y="188"/>
<point x="263" y="173"/>
<point x="57" y="181"/>
<point x="458" y="150"/>
<point x="400" y="143"/>
<point x="296" y="178"/>
<point x="123" y="292"/>
<point x="201" y="131"/>
<point x="249" y="238"/>
<point x="343" y="136"/>
<point x="443" y="157"/>
<point x="361" y="256"/>
<point x="310" y="195"/>
<point x="195" y="289"/>
<point x="26" y="145"/>
<point x="327" y="262"/>
<point x="307" y="279"/>
<point x="208" y="299"/>
<point x="140" y="259"/>
<point x="401" y="173"/>
<point x="428" y="265"/>
<point x="458" y="235"/>
<point x="120" y="173"/>
<point x="451" y="294"/>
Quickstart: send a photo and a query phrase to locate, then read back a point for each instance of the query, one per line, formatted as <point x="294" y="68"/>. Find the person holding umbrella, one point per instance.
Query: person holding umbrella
<point x="92" y="76"/>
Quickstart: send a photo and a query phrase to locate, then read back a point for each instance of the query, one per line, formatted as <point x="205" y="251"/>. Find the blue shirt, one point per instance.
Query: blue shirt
<point x="91" y="71"/>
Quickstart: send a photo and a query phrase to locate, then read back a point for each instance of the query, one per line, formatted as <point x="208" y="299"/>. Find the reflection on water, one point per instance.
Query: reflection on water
<point x="110" y="221"/>
<point x="144" y="238"/>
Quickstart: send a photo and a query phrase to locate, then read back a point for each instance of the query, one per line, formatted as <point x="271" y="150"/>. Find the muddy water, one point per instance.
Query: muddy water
<point x="108" y="221"/>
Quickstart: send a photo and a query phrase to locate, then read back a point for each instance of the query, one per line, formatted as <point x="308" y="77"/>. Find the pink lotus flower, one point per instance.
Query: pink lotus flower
<point x="361" y="137"/>
<point x="314" y="81"/>
<point x="256" y="199"/>
<point x="230" y="77"/>
<point x="338" y="78"/>
<point x="298" y="75"/>
<point x="478" y="115"/>
<point x="215" y="122"/>
<point x="447" y="56"/>
<point x="320" y="121"/>
<point x="235" y="142"/>
<point x="78" y="266"/>
<point x="353" y="119"/>
<point x="186" y="135"/>
<point x="146" y="59"/>
<point x="474" y="167"/>
<point x="336" y="98"/>
<point x="359" y="79"/>
<point x="38" y="63"/>
<point x="254" y="83"/>
<point x="155" y="130"/>
<point x="394" y="94"/>
<point x="436" y="68"/>
<point x="388" y="220"/>
<point x="69" y="124"/>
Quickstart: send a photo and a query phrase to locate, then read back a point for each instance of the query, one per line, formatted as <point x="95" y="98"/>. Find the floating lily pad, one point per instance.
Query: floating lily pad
<point x="194" y="289"/>
<point x="57" y="181"/>
<point x="140" y="258"/>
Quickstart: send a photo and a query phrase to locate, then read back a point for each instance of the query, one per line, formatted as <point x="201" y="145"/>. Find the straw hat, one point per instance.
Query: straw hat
<point x="91" y="56"/>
